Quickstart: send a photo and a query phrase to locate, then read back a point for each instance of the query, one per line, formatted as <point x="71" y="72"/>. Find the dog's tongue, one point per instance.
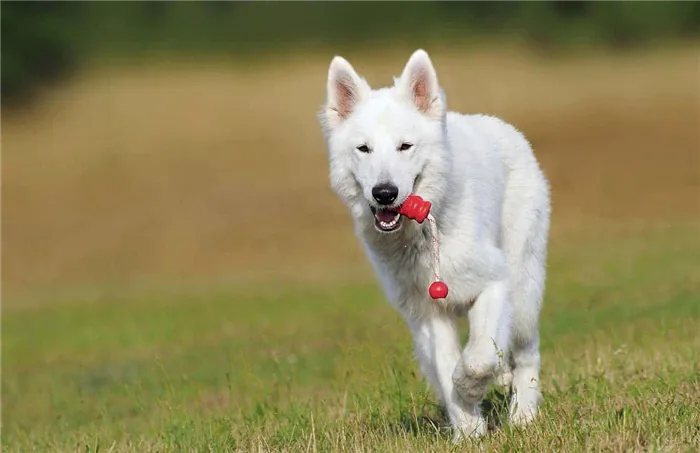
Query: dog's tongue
<point x="385" y="215"/>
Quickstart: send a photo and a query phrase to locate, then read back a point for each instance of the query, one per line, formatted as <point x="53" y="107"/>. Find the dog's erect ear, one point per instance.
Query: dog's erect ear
<point x="419" y="82"/>
<point x="345" y="90"/>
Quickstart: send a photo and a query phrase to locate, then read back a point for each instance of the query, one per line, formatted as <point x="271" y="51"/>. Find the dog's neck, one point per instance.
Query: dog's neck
<point x="410" y="236"/>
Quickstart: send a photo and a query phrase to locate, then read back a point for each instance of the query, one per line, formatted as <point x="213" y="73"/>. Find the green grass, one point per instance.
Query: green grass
<point x="331" y="368"/>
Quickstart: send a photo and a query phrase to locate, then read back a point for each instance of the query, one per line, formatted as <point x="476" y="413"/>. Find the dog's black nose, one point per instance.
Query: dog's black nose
<point x="385" y="193"/>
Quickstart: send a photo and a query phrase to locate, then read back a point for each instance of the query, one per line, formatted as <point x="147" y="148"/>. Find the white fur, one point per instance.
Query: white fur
<point x="491" y="205"/>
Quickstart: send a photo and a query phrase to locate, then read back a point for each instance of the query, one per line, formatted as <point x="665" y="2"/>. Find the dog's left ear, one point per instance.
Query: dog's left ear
<point x="420" y="83"/>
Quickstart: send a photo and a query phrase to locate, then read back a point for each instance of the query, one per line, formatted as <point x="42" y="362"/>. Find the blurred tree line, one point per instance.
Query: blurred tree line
<point x="44" y="41"/>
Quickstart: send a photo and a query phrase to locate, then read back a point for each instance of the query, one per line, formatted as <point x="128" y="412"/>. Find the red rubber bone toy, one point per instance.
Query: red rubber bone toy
<point x="418" y="209"/>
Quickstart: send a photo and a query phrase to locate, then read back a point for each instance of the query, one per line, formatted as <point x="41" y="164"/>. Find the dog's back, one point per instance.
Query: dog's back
<point x="498" y="183"/>
<point x="513" y="203"/>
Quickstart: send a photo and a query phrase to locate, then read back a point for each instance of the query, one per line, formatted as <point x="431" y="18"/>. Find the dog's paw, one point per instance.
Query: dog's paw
<point x="473" y="429"/>
<point x="522" y="418"/>
<point x="523" y="408"/>
<point x="471" y="382"/>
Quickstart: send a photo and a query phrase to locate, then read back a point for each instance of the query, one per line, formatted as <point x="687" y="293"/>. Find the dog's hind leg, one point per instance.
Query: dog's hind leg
<point x="437" y="346"/>
<point x="525" y="341"/>
<point x="525" y="236"/>
<point x="526" y="388"/>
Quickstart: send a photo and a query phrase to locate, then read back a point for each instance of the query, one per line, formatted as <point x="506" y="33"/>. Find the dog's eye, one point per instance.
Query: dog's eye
<point x="363" y="148"/>
<point x="405" y="146"/>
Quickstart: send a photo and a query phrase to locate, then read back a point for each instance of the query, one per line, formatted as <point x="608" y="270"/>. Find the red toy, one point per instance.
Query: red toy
<point x="418" y="209"/>
<point x="415" y="208"/>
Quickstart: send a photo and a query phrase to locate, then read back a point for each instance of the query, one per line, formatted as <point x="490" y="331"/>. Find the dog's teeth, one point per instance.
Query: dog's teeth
<point x="388" y="225"/>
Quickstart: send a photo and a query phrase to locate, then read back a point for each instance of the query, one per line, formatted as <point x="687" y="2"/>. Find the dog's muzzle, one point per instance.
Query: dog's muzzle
<point x="386" y="220"/>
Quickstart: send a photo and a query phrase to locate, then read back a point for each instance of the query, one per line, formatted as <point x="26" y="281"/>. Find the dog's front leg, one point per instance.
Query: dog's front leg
<point x="489" y="337"/>
<point x="438" y="349"/>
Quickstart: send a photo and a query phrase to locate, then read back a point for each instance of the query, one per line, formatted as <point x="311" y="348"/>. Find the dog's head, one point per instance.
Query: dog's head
<point x="385" y="144"/>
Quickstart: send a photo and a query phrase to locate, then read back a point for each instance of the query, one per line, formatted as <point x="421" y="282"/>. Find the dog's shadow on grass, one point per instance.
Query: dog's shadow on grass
<point x="432" y="419"/>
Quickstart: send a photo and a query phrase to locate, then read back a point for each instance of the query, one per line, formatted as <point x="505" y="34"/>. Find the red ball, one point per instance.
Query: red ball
<point x="438" y="290"/>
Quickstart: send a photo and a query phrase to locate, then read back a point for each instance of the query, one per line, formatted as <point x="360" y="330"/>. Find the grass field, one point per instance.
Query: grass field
<point x="177" y="275"/>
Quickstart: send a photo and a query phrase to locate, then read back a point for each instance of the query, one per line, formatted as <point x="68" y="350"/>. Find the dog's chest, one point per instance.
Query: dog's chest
<point x="412" y="267"/>
<point x="402" y="260"/>
<point x="406" y="268"/>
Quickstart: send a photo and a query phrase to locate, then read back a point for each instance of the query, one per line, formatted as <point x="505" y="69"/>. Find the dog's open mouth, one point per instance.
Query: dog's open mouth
<point x="386" y="219"/>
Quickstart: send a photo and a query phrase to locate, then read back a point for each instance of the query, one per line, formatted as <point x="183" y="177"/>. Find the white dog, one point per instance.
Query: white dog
<point x="490" y="201"/>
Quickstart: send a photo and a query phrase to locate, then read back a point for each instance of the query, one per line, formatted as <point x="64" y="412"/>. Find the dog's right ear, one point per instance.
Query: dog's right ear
<point x="345" y="90"/>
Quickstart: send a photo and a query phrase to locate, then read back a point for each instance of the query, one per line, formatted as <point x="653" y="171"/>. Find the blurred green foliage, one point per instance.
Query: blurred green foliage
<point x="43" y="41"/>
<point x="36" y="44"/>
